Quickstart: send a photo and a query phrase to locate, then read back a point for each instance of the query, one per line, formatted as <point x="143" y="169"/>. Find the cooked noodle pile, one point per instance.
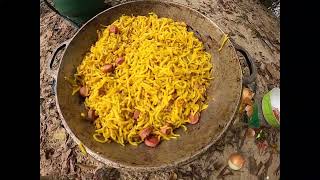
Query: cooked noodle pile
<point x="163" y="78"/>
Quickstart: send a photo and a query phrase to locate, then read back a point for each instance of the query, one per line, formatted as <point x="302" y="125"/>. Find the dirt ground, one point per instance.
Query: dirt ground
<point x="250" y="24"/>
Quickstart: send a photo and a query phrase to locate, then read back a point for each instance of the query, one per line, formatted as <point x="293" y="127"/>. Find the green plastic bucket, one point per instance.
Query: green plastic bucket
<point x="77" y="11"/>
<point x="270" y="101"/>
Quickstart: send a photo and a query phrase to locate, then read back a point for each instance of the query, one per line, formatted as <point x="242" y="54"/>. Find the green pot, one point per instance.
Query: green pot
<point x="268" y="102"/>
<point x="77" y="11"/>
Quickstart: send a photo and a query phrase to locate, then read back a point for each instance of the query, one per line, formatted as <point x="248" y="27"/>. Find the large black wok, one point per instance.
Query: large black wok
<point x="224" y="93"/>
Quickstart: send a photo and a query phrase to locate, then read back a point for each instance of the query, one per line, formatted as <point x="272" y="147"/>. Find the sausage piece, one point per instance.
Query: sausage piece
<point x="145" y="132"/>
<point x="84" y="91"/>
<point x="194" y="119"/>
<point x="107" y="68"/>
<point x="152" y="141"/>
<point x="114" y="29"/>
<point x="165" y="129"/>
<point x="136" y="114"/>
<point x="120" y="60"/>
<point x="102" y="92"/>
<point x="92" y="115"/>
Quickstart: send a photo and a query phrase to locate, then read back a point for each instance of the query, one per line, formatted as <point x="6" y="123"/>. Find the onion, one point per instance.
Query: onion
<point x="251" y="132"/>
<point x="236" y="161"/>
<point x="247" y="96"/>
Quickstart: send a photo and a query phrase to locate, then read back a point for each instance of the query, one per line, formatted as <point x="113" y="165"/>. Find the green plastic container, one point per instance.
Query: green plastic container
<point x="270" y="101"/>
<point x="254" y="121"/>
<point x="77" y="11"/>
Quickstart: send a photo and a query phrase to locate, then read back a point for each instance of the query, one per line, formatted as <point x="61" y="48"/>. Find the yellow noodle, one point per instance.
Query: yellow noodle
<point x="165" y="75"/>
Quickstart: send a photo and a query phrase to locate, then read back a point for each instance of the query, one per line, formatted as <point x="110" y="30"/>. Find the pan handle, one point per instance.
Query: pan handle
<point x="50" y="70"/>
<point x="249" y="62"/>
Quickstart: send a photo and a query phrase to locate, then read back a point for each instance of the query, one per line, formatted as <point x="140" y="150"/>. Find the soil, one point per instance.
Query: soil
<point x="251" y="25"/>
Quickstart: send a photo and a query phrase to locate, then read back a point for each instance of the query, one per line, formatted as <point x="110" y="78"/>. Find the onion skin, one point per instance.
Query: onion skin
<point x="249" y="110"/>
<point x="251" y="133"/>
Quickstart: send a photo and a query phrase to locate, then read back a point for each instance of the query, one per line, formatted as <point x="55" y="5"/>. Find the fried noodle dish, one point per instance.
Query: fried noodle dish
<point x="144" y="77"/>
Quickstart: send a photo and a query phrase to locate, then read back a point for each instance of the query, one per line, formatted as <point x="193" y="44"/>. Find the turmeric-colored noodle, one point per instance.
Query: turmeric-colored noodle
<point x="164" y="76"/>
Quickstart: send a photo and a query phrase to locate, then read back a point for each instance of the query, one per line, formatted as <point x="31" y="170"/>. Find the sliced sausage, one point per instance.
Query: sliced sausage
<point x="107" y="68"/>
<point x="84" y="91"/>
<point x="120" y="60"/>
<point x="102" y="92"/>
<point x="145" y="132"/>
<point x="165" y="129"/>
<point x="152" y="141"/>
<point x="114" y="29"/>
<point x="92" y="115"/>
<point x="136" y="114"/>
<point x="194" y="119"/>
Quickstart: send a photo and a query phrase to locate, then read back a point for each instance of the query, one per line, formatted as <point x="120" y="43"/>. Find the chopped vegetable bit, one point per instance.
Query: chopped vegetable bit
<point x="82" y="149"/>
<point x="75" y="90"/>
<point x="224" y="40"/>
<point x="72" y="82"/>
